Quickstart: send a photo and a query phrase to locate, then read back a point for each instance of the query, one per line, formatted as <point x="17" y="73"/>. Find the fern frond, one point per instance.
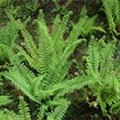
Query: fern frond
<point x="9" y="34"/>
<point x="41" y="113"/>
<point x="17" y="79"/>
<point x="4" y="100"/>
<point x="93" y="58"/>
<point x="56" y="23"/>
<point x="108" y="8"/>
<point x="69" y="86"/>
<point x="12" y="115"/>
<point x="59" y="111"/>
<point x="87" y="24"/>
<point x="58" y="36"/>
<point x="3" y="52"/>
<point x="46" y="52"/>
<point x="24" y="111"/>
<point x="41" y="18"/>
<point x="29" y="44"/>
<point x="106" y="57"/>
<point x="103" y="73"/>
<point x="4" y="116"/>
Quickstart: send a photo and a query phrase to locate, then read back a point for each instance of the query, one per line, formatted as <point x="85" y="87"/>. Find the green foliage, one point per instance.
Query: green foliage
<point x="87" y="24"/>
<point x="61" y="8"/>
<point x="3" y="3"/>
<point x="32" y="5"/>
<point x="112" y="11"/>
<point x="22" y="115"/>
<point x="24" y="112"/>
<point x="4" y="100"/>
<point x="8" y="36"/>
<point x="40" y="70"/>
<point x="39" y="62"/>
<point x="102" y="70"/>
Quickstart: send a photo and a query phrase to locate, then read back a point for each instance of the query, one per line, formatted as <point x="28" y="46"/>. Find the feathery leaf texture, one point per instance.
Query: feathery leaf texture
<point x="40" y="70"/>
<point x="102" y="71"/>
<point x="112" y="11"/>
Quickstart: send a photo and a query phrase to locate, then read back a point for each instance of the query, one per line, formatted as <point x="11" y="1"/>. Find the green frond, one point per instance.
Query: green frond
<point x="93" y="59"/>
<point x="12" y="115"/>
<point x="29" y="43"/>
<point x="107" y="54"/>
<point x="41" y="18"/>
<point x="111" y="9"/>
<point x="3" y="52"/>
<point x="46" y="53"/>
<point x="59" y="111"/>
<point x="41" y="113"/>
<point x="108" y="11"/>
<point x="9" y="34"/>
<point x="87" y="24"/>
<point x="18" y="80"/>
<point x="4" y="100"/>
<point x="83" y="12"/>
<point x="24" y="111"/>
<point x="18" y="66"/>
<point x="116" y="9"/>
<point x="4" y="116"/>
<point x="23" y="53"/>
<point x="60" y="68"/>
<point x="69" y="86"/>
<point x="102" y="71"/>
<point x="58" y="36"/>
<point x="40" y="71"/>
<point x="56" y="23"/>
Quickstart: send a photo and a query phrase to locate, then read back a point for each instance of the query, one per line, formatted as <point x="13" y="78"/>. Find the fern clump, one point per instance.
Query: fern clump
<point x="101" y="69"/>
<point x="40" y="70"/>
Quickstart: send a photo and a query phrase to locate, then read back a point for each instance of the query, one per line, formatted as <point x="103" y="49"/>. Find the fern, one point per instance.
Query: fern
<point x="22" y="115"/>
<point x="3" y="3"/>
<point x="41" y="113"/>
<point x="59" y="111"/>
<point x="112" y="11"/>
<point x="24" y="110"/>
<point x="4" y="116"/>
<point x="8" y="36"/>
<point x="40" y="70"/>
<point x="87" y="24"/>
<point x="102" y="71"/>
<point x="4" y="100"/>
